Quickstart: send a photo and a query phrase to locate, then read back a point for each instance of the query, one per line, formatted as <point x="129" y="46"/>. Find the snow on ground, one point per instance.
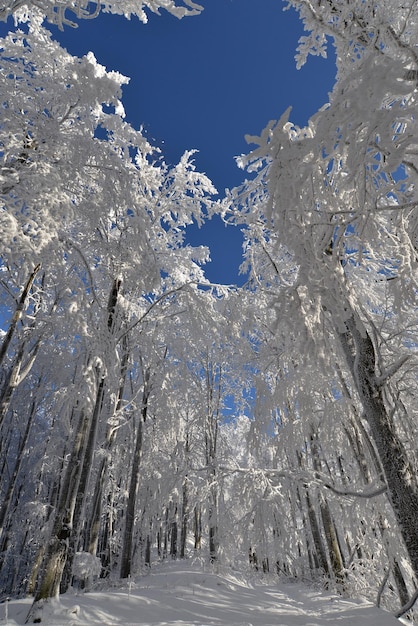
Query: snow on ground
<point x="179" y="594"/>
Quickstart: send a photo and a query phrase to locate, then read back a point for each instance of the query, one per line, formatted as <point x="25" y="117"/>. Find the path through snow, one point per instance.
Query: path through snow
<point x="178" y="594"/>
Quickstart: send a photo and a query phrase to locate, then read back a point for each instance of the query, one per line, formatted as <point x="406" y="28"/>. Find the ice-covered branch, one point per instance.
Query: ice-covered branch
<point x="308" y="479"/>
<point x="391" y="371"/>
<point x="408" y="605"/>
<point x="56" y="10"/>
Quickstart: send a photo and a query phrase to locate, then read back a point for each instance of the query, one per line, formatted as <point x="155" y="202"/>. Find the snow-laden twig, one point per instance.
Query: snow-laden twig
<point x="382" y="587"/>
<point x="304" y="477"/>
<point x="408" y="605"/>
<point x="391" y="371"/>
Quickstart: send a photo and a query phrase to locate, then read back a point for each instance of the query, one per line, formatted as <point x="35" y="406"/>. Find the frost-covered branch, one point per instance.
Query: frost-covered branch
<point x="306" y="478"/>
<point x="56" y="10"/>
<point x="356" y="494"/>
<point x="157" y="301"/>
<point x="408" y="605"/>
<point x="382" y="587"/>
<point x="391" y="371"/>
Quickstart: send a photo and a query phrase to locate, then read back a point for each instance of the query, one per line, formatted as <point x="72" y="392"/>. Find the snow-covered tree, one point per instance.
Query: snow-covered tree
<point x="332" y="240"/>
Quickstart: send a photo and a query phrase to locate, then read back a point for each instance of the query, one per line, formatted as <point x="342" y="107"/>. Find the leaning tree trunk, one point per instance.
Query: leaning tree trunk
<point x="17" y="314"/>
<point x="356" y="443"/>
<point x="360" y="353"/>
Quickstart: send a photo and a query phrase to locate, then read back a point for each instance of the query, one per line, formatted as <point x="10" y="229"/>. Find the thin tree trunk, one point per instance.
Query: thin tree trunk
<point x="82" y="487"/>
<point x="184" y="519"/>
<point x="320" y="553"/>
<point x="17" y="314"/>
<point x="126" y="561"/>
<point x="213" y="522"/>
<point x="334" y="553"/>
<point x="213" y="390"/>
<point x="173" y="533"/>
<point x="197" y="527"/>
<point x="90" y="446"/>
<point x="10" y="490"/>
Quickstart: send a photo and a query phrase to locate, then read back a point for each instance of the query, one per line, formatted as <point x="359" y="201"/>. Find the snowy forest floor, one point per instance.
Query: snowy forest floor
<point x="180" y="594"/>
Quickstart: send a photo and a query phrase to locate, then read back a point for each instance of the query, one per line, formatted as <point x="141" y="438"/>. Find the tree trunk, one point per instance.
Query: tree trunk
<point x="197" y="527"/>
<point x="17" y="314"/>
<point x="320" y="553"/>
<point x="331" y="538"/>
<point x="334" y="552"/>
<point x="184" y="519"/>
<point x="93" y="524"/>
<point x="90" y="446"/>
<point x="402" y="486"/>
<point x="126" y="562"/>
<point x="57" y="549"/>
<point x="213" y="529"/>
<point x="82" y="487"/>
<point x="10" y="489"/>
<point x="173" y="538"/>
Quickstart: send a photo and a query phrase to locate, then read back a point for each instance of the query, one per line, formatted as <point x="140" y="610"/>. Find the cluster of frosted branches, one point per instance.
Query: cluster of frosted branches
<point x="63" y="12"/>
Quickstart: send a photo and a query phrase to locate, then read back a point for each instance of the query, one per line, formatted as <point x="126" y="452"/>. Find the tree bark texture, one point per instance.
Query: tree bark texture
<point x="359" y="350"/>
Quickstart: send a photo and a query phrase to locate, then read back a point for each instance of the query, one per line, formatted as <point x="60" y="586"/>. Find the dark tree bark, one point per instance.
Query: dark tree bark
<point x="126" y="561"/>
<point x="17" y="314"/>
<point x="4" y="510"/>
<point x="197" y="527"/>
<point x="87" y="464"/>
<point x="402" y="485"/>
<point x="184" y="519"/>
<point x="57" y="549"/>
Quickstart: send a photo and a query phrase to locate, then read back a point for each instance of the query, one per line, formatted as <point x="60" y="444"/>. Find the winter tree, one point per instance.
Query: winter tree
<point x="332" y="239"/>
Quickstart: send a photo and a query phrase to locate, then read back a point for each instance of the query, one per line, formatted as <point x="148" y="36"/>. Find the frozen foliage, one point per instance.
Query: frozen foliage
<point x="63" y="12"/>
<point x="86" y="566"/>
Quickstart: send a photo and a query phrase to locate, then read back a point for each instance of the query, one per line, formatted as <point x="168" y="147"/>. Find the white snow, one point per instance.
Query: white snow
<point x="180" y="594"/>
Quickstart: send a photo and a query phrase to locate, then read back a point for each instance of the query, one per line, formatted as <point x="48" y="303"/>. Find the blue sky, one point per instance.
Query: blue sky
<point x="204" y="82"/>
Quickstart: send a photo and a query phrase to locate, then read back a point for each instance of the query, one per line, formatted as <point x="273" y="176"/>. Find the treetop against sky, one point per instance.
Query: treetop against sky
<point x="204" y="83"/>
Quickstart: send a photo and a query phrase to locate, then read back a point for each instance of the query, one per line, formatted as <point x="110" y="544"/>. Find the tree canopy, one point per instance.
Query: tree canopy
<point x="146" y="413"/>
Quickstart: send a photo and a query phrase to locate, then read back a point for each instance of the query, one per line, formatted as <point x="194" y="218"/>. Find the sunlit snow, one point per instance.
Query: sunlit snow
<point x="182" y="595"/>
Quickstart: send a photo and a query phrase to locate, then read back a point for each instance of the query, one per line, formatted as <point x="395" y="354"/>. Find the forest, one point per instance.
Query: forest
<point x="148" y="414"/>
